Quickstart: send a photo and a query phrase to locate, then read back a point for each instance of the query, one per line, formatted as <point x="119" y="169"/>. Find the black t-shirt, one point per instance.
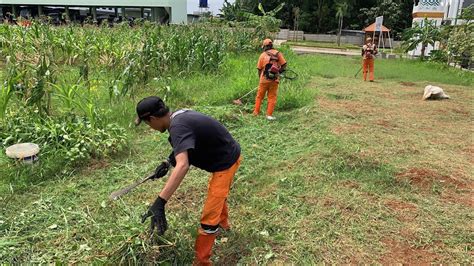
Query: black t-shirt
<point x="210" y="146"/>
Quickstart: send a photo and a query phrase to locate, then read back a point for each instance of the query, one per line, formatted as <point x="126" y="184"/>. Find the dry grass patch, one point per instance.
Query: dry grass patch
<point x="402" y="253"/>
<point x="392" y="122"/>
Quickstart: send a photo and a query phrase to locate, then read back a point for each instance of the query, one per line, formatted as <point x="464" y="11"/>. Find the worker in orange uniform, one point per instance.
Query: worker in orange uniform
<point x="198" y="140"/>
<point x="369" y="50"/>
<point x="270" y="65"/>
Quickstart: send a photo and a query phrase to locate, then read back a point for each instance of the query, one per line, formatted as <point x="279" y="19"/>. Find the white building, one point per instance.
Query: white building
<point x="169" y="11"/>
<point x="440" y="11"/>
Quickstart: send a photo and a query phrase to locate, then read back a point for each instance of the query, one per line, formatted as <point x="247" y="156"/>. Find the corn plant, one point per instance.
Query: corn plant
<point x="67" y="94"/>
<point x="5" y="96"/>
<point x="39" y="95"/>
<point x="129" y="57"/>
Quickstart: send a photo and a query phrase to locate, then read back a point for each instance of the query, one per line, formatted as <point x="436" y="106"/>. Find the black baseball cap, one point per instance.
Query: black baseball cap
<point x="150" y="106"/>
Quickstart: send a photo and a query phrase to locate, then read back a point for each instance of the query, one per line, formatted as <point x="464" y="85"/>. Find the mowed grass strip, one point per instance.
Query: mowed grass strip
<point x="345" y="177"/>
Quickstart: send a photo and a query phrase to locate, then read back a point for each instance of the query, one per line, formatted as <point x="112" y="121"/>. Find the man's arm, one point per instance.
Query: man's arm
<point x="182" y="167"/>
<point x="259" y="72"/>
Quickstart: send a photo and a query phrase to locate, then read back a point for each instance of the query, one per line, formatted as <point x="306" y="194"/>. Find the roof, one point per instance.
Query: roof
<point x="371" y="28"/>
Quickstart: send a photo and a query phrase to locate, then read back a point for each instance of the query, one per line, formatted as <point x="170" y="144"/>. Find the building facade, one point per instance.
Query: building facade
<point x="441" y="12"/>
<point x="164" y="11"/>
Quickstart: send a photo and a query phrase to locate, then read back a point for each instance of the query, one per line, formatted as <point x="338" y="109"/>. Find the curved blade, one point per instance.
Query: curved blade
<point x="117" y="194"/>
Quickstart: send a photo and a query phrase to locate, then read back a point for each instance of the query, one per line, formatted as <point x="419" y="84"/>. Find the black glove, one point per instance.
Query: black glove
<point x="158" y="217"/>
<point x="172" y="159"/>
<point x="161" y="170"/>
<point x="282" y="70"/>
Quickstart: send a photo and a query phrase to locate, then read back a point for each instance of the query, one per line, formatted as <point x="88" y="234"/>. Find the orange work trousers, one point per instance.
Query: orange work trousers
<point x="368" y="66"/>
<point x="215" y="213"/>
<point x="269" y="88"/>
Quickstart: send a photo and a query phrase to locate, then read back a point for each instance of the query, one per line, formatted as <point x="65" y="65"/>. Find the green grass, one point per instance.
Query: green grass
<point x="320" y="184"/>
<point x="343" y="46"/>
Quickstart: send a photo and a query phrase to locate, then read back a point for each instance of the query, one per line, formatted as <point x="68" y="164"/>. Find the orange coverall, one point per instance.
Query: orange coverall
<point x="266" y="86"/>
<point x="368" y="52"/>
<point x="215" y="211"/>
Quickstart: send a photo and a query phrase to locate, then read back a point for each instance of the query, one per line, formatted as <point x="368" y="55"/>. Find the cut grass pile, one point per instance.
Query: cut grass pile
<point x="351" y="172"/>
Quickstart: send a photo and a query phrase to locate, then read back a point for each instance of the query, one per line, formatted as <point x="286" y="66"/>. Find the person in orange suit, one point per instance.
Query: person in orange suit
<point x="201" y="141"/>
<point x="271" y="64"/>
<point x="369" y="50"/>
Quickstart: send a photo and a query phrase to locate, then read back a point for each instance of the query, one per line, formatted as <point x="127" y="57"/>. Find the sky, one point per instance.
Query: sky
<point x="214" y="5"/>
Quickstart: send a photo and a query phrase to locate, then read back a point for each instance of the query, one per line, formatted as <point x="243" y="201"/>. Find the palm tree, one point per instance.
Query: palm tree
<point x="341" y="12"/>
<point x="425" y="34"/>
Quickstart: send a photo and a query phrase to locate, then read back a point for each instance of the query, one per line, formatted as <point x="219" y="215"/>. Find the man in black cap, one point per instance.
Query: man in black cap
<point x="201" y="141"/>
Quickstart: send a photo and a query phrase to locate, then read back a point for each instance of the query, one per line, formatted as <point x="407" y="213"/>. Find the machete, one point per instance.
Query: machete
<point x="117" y="194"/>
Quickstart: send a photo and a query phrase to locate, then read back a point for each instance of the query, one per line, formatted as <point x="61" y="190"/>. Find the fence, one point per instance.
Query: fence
<point x="286" y="34"/>
<point x="290" y="35"/>
<point x="357" y="40"/>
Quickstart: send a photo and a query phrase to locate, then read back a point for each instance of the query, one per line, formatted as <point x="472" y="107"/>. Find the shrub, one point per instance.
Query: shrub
<point x="70" y="140"/>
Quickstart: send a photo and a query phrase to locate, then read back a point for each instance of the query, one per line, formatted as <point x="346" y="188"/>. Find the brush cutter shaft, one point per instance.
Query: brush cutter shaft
<point x="358" y="72"/>
<point x="248" y="93"/>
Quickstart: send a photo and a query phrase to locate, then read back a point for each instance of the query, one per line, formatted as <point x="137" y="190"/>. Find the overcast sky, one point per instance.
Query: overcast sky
<point x="214" y="5"/>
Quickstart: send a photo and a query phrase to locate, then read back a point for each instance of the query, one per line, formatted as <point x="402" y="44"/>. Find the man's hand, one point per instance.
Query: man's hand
<point x="161" y="170"/>
<point x="158" y="217"/>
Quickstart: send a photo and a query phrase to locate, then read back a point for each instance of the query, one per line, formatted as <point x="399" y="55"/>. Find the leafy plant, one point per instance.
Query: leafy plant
<point x="342" y="7"/>
<point x="424" y="34"/>
<point x="74" y="138"/>
<point x="5" y="96"/>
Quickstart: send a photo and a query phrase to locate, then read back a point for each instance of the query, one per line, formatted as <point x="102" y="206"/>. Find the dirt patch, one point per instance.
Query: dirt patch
<point x="453" y="197"/>
<point x="407" y="83"/>
<point x="424" y="178"/>
<point x="328" y="202"/>
<point x="404" y="211"/>
<point x="343" y="207"/>
<point x="385" y="123"/>
<point x="400" y="205"/>
<point x="405" y="254"/>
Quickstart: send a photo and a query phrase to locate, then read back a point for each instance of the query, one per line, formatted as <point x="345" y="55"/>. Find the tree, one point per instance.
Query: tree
<point x="460" y="44"/>
<point x="425" y="34"/>
<point x="341" y="11"/>
<point x="322" y="10"/>
<point x="235" y="11"/>
<point x="268" y="18"/>
<point x="389" y="9"/>
<point x="320" y="16"/>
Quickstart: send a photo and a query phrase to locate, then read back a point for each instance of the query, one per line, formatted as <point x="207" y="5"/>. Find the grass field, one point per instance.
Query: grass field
<point x="343" y="46"/>
<point x="351" y="172"/>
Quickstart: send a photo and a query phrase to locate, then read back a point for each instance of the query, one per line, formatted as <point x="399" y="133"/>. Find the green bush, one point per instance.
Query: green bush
<point x="438" y="56"/>
<point x="64" y="141"/>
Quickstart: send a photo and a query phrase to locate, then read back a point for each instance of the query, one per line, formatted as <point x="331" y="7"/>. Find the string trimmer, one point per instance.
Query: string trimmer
<point x="238" y="101"/>
<point x="288" y="74"/>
